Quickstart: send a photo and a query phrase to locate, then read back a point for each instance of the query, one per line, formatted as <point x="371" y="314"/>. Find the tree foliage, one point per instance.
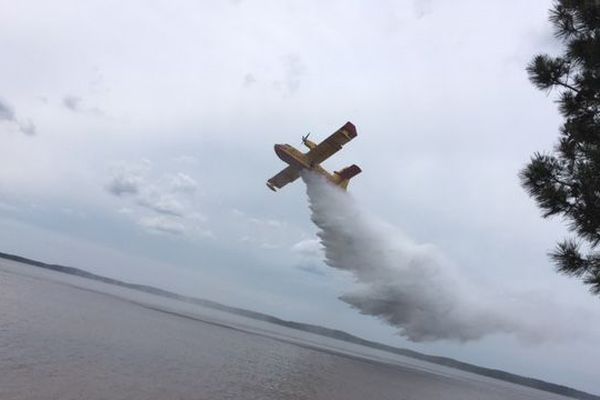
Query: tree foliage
<point x="566" y="182"/>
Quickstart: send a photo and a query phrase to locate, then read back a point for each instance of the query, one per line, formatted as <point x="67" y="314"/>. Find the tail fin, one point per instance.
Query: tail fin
<point x="346" y="174"/>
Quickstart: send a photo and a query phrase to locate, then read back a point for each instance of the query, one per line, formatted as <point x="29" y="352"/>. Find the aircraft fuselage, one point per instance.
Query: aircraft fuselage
<point x="295" y="158"/>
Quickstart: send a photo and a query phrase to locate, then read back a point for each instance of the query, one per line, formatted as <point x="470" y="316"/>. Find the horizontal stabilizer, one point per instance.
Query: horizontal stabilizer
<point x="349" y="172"/>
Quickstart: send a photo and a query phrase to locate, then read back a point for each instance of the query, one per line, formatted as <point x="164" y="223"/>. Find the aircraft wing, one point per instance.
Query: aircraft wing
<point x="332" y="144"/>
<point x="285" y="176"/>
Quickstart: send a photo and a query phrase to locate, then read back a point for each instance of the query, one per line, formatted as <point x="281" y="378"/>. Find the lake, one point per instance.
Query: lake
<point x="65" y="337"/>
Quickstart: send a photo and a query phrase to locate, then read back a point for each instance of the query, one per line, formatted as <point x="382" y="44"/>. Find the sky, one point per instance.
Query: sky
<point x="136" y="139"/>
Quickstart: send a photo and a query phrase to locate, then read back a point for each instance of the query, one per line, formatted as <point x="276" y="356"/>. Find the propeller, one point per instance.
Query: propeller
<point x="305" y="137"/>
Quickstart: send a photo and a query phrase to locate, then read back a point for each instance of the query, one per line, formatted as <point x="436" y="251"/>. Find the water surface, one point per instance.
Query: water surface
<point x="64" y="337"/>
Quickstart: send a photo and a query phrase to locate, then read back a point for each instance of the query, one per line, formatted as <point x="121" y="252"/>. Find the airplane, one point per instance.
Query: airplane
<point x="311" y="160"/>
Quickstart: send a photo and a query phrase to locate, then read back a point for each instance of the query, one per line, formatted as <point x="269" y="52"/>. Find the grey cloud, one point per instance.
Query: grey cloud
<point x="125" y="180"/>
<point x="7" y="207"/>
<point x="312" y="269"/>
<point x="121" y="185"/>
<point x="169" y="196"/>
<point x="249" y="80"/>
<point x="189" y="225"/>
<point x="186" y="160"/>
<point x="265" y="233"/>
<point x="162" y="225"/>
<point x="163" y="204"/>
<point x="8" y="114"/>
<point x="73" y="212"/>
<point x="181" y="182"/>
<point x="422" y="8"/>
<point x="77" y="105"/>
<point x="27" y="127"/>
<point x="294" y="69"/>
<point x="310" y="248"/>
<point x="73" y="103"/>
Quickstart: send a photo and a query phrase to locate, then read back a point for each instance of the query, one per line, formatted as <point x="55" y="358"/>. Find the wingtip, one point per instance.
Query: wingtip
<point x="351" y="129"/>
<point x="270" y="186"/>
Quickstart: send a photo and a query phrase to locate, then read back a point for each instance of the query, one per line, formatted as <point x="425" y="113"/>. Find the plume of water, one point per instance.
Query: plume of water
<point x="410" y="286"/>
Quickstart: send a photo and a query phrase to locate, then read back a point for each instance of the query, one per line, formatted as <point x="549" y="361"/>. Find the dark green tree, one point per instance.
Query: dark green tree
<point x="566" y="182"/>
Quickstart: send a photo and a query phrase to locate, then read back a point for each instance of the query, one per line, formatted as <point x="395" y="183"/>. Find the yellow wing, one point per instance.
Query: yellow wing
<point x="332" y="144"/>
<point x="284" y="177"/>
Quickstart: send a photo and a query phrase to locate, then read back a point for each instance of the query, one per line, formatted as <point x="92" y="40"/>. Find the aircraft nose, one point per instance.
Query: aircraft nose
<point x="279" y="150"/>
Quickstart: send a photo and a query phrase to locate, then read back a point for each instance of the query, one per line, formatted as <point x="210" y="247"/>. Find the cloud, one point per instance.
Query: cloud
<point x="264" y="233"/>
<point x="422" y="8"/>
<point x="293" y="71"/>
<point x="77" y="105"/>
<point x="162" y="203"/>
<point x="249" y="80"/>
<point x="7" y="207"/>
<point x="169" y="194"/>
<point x="311" y="253"/>
<point x="181" y="182"/>
<point x="190" y="225"/>
<point x="186" y="160"/>
<point x="197" y="216"/>
<point x="267" y="222"/>
<point x="127" y="178"/>
<point x="310" y="248"/>
<point x="27" y="127"/>
<point x="162" y="224"/>
<point x="123" y="184"/>
<point x="311" y="269"/>
<point x="73" y="103"/>
<point x="73" y="212"/>
<point x="171" y="197"/>
<point x="7" y="114"/>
